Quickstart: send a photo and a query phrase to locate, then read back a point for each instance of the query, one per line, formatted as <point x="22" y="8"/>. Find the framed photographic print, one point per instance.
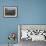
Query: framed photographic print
<point x="10" y="11"/>
<point x="33" y="32"/>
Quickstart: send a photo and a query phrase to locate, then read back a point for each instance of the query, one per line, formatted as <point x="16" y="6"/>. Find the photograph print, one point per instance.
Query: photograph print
<point x="10" y="11"/>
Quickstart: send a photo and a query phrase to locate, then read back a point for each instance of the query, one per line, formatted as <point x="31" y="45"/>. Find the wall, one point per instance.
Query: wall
<point x="29" y="12"/>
